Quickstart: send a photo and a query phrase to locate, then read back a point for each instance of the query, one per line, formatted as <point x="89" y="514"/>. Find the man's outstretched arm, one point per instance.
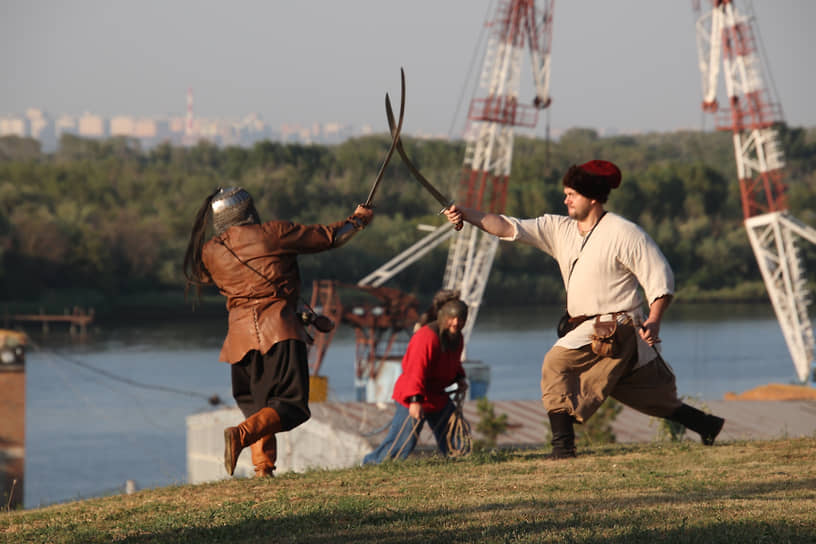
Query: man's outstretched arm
<point x="491" y="223"/>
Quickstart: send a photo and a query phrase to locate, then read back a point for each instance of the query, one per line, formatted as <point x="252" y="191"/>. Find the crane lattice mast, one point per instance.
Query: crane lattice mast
<point x="727" y="37"/>
<point x="494" y="113"/>
<point x="492" y="117"/>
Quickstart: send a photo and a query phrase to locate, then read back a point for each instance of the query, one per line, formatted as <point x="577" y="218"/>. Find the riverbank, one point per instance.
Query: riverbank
<point x="172" y="304"/>
<point x="152" y="305"/>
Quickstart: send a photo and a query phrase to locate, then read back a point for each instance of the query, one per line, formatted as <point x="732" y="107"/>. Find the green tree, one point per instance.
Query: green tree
<point x="490" y="425"/>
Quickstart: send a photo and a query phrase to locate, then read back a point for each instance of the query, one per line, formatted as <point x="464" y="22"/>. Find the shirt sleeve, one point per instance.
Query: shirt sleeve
<point x="649" y="265"/>
<point x="541" y="232"/>
<point x="422" y="349"/>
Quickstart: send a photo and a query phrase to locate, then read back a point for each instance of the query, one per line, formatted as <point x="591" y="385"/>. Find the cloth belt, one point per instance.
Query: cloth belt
<point x="578" y="319"/>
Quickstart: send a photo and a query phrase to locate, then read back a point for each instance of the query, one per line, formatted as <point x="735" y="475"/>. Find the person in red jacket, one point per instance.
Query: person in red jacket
<point x="432" y="362"/>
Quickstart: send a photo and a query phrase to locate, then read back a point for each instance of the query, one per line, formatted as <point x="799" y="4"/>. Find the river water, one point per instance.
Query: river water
<point x="94" y="421"/>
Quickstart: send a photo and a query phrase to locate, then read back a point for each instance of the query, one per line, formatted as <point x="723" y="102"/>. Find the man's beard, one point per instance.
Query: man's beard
<point x="448" y="339"/>
<point x="579" y="215"/>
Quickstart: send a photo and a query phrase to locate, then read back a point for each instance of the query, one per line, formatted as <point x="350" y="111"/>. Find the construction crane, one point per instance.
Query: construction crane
<point x="494" y="114"/>
<point x="727" y="37"/>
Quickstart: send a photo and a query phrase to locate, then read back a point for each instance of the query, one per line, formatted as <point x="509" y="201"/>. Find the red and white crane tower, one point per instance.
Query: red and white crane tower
<point x="495" y="112"/>
<point x="726" y="37"/>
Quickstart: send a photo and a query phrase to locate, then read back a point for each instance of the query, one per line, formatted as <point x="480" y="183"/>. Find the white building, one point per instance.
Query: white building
<point x="14" y="126"/>
<point x="122" y="125"/>
<point x="91" y="125"/>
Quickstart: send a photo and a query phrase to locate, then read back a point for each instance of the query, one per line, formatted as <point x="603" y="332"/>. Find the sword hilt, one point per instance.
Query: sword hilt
<point x="448" y="205"/>
<point x="457" y="226"/>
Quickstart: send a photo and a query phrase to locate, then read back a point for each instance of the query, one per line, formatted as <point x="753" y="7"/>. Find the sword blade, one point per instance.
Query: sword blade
<point x="394" y="140"/>
<point x="442" y="199"/>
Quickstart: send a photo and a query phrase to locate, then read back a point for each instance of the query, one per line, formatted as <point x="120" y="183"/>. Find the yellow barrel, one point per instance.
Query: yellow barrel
<point x="318" y="388"/>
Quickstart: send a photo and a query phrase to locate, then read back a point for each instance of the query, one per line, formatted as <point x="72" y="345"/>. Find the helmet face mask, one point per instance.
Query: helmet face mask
<point x="232" y="206"/>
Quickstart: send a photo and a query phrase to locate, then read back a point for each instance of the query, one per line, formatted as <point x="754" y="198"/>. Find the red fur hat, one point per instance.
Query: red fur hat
<point x="593" y="179"/>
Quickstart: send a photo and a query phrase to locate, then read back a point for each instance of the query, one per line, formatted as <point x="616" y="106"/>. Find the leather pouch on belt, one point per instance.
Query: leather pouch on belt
<point x="603" y="340"/>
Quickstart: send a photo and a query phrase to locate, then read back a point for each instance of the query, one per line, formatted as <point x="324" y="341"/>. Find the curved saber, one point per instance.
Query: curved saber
<point x="442" y="199"/>
<point x="394" y="139"/>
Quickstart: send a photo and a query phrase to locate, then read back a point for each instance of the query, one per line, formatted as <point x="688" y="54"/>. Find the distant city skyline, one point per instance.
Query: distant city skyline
<point x="185" y="130"/>
<point x="625" y="66"/>
<point x="152" y="130"/>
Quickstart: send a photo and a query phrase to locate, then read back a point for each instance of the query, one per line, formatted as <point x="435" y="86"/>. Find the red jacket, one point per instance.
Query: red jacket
<point x="427" y="370"/>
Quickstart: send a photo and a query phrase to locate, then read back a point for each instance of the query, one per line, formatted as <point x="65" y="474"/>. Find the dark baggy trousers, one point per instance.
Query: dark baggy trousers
<point x="278" y="379"/>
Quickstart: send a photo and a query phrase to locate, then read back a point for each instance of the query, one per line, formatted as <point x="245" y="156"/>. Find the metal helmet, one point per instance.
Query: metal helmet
<point x="232" y="206"/>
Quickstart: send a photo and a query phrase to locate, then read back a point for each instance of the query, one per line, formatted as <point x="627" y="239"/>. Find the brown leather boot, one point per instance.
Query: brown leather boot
<point x="264" y="455"/>
<point x="265" y="421"/>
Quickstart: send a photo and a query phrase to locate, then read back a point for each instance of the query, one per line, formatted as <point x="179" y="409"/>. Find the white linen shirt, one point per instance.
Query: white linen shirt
<point x="616" y="259"/>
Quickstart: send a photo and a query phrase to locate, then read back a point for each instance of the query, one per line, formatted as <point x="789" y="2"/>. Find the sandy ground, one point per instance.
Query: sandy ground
<point x="775" y="391"/>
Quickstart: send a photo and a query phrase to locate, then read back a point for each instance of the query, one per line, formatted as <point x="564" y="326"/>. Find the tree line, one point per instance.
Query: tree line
<point x="105" y="219"/>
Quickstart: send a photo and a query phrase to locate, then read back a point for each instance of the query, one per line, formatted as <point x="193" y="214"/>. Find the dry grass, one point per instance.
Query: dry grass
<point x="676" y="492"/>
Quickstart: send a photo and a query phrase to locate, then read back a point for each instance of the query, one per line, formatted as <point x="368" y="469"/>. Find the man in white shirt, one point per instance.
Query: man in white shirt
<point x="603" y="259"/>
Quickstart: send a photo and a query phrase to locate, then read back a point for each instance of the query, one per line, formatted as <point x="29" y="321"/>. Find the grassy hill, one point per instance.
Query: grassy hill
<point x="763" y="491"/>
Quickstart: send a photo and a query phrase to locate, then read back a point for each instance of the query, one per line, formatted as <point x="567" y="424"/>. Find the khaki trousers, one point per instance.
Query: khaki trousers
<point x="576" y="381"/>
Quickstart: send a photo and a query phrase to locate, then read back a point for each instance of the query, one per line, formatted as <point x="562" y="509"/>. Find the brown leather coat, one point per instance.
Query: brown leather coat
<point x="262" y="310"/>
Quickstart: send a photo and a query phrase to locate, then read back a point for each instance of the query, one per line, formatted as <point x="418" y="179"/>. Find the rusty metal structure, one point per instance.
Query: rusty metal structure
<point x="383" y="320"/>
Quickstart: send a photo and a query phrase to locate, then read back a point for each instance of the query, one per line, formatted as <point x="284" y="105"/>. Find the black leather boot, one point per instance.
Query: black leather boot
<point x="706" y="425"/>
<point x="563" y="435"/>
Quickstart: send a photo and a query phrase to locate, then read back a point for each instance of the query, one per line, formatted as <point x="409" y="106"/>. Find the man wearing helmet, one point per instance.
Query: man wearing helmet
<point x="607" y="347"/>
<point x="254" y="265"/>
<point x="432" y="362"/>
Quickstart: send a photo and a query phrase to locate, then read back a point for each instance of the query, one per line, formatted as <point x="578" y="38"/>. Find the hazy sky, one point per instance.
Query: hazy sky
<point x="627" y="64"/>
